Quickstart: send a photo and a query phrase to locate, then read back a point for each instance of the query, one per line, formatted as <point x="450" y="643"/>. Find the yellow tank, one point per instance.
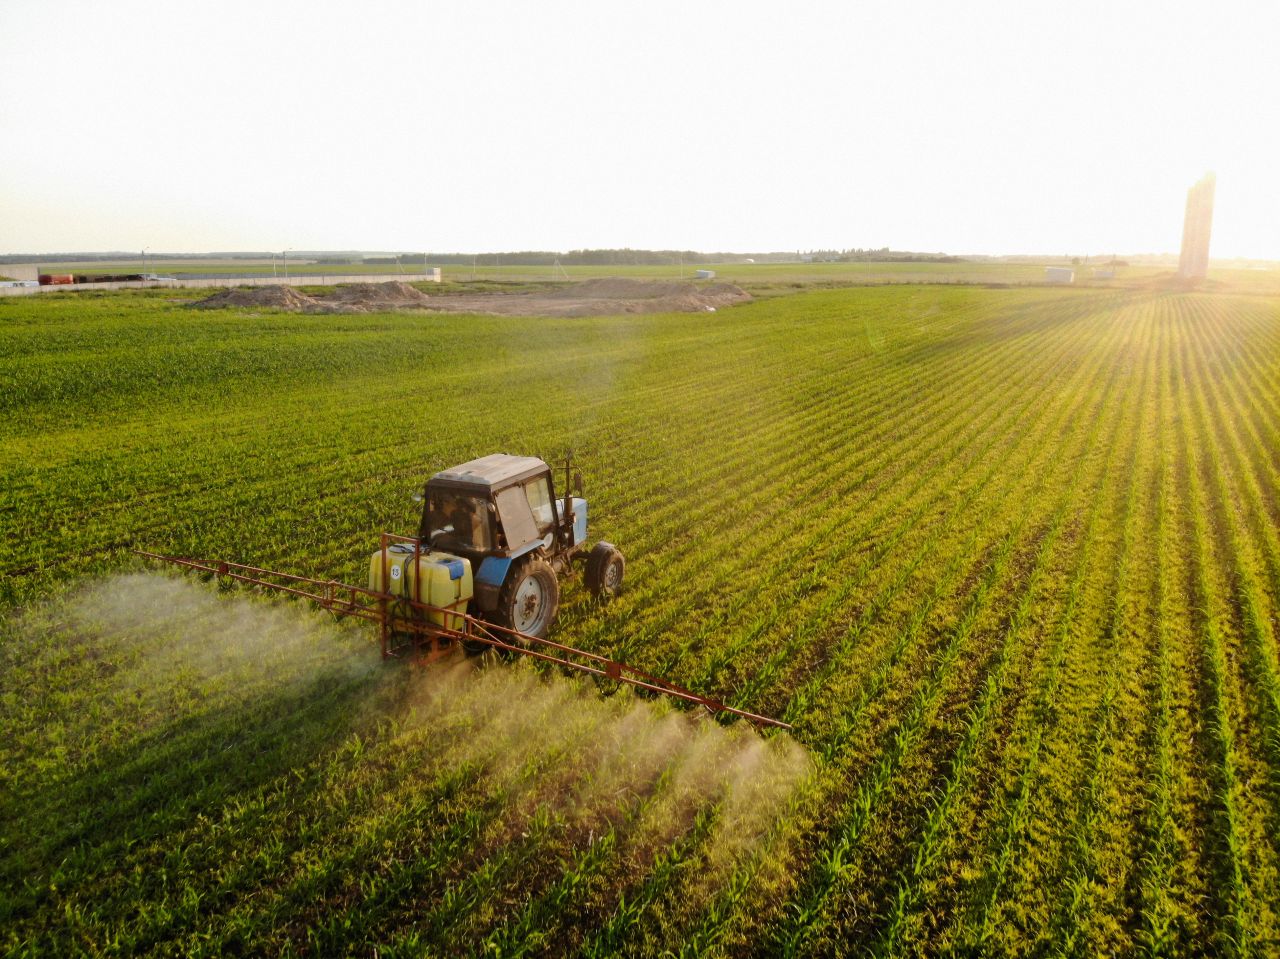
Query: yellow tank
<point x="439" y="579"/>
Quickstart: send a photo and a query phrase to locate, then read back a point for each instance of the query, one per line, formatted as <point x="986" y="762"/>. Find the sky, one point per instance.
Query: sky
<point x="978" y="127"/>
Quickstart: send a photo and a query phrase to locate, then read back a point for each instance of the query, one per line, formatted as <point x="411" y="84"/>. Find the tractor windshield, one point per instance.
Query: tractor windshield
<point x="457" y="521"/>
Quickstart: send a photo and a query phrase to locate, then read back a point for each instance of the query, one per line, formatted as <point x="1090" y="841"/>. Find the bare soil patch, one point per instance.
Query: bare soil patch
<point x="605" y="296"/>
<point x="371" y="298"/>
<point x="610" y="295"/>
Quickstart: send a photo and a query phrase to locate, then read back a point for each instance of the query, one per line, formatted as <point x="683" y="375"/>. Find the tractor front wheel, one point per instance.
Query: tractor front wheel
<point x="529" y="598"/>
<point x="605" y="567"/>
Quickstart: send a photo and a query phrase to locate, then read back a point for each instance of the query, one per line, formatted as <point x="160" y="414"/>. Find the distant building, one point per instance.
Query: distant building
<point x="1059" y="274"/>
<point x="1194" y="262"/>
<point x="704" y="274"/>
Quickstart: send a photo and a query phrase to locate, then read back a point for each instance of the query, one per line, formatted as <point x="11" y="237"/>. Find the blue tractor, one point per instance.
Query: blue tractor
<point x="483" y="570"/>
<point x="501" y="517"/>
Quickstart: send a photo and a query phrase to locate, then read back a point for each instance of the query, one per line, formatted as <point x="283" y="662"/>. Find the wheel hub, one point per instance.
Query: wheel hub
<point x="528" y="605"/>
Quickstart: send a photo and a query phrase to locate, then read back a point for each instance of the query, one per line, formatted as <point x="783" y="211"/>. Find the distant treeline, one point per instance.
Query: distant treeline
<point x="572" y="258"/>
<point x="622" y="257"/>
<point x="882" y="255"/>
<point x="628" y="257"/>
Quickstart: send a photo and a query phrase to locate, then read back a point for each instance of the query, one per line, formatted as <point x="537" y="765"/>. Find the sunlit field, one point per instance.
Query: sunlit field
<point x="1008" y="559"/>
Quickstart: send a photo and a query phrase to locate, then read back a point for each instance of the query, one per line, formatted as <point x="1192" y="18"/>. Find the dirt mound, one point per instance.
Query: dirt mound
<point x="349" y="298"/>
<point x="374" y="297"/>
<point x="273" y="297"/>
<point x="602" y="297"/>
<point x="608" y="296"/>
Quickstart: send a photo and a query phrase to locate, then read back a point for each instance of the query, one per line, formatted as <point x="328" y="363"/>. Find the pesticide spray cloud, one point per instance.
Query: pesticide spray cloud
<point x="561" y="767"/>
<point x="637" y="771"/>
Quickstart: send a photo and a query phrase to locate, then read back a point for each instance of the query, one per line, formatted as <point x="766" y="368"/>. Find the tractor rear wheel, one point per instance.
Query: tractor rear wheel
<point x="529" y="598"/>
<point x="605" y="568"/>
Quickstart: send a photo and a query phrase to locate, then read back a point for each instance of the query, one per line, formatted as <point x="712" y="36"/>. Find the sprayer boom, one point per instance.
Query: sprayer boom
<point x="422" y="632"/>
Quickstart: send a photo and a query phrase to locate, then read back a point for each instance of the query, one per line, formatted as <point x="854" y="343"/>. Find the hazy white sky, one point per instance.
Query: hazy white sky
<point x="978" y="127"/>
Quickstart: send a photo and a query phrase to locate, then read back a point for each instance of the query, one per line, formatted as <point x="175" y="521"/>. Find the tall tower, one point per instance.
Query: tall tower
<point x="1194" y="262"/>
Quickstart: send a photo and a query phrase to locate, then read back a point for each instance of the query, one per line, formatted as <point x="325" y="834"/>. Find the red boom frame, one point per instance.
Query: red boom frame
<point x="385" y="610"/>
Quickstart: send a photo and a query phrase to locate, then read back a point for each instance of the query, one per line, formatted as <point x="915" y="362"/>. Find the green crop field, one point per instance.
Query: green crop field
<point x="1008" y="559"/>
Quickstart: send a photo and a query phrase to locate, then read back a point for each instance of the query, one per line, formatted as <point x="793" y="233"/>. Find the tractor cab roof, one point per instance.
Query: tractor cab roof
<point x="492" y="472"/>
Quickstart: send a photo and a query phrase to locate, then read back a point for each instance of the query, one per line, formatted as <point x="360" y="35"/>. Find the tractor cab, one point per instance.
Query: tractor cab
<point x="500" y="505"/>
<point x="501" y="514"/>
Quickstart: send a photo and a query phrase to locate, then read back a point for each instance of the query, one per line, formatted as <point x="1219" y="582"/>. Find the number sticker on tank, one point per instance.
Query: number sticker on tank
<point x="395" y="572"/>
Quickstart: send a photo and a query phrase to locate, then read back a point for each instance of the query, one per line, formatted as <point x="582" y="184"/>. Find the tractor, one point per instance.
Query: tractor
<point x="505" y="538"/>
<point x="483" y="572"/>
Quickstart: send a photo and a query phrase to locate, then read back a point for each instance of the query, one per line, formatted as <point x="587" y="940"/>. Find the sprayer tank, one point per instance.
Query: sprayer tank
<point x="437" y="579"/>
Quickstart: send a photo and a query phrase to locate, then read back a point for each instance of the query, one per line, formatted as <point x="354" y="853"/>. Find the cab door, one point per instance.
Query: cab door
<point x="518" y="522"/>
<point x="538" y="492"/>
